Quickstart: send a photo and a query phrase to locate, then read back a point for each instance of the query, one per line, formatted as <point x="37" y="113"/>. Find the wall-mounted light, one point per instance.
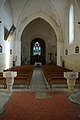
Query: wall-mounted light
<point x="79" y="24"/>
<point x="0" y="21"/>
<point x="66" y="52"/>
<point x="77" y="49"/>
<point x="0" y="49"/>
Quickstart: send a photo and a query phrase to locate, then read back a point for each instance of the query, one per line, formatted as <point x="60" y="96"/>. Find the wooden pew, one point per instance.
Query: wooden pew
<point x="78" y="79"/>
<point x="24" y="74"/>
<point x="23" y="79"/>
<point x="54" y="74"/>
<point x="56" y="79"/>
<point x="2" y="80"/>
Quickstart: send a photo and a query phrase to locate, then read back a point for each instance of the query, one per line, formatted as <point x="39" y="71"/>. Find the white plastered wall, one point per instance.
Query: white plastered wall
<point x="72" y="60"/>
<point x="6" y="59"/>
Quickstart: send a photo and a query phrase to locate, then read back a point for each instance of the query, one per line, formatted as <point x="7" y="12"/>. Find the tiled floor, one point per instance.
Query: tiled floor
<point x="38" y="84"/>
<point x="4" y="97"/>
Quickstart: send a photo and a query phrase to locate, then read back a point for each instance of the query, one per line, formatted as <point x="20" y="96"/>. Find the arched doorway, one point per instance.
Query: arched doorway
<point x="37" y="51"/>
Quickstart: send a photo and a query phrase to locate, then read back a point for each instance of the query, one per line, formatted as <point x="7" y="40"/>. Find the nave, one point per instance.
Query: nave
<point x="43" y="99"/>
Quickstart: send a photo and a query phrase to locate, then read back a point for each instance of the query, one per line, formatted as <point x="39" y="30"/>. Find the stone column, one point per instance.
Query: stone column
<point x="9" y="75"/>
<point x="71" y="79"/>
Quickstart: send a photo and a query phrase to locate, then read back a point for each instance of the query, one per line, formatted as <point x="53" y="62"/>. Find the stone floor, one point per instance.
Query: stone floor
<point x="38" y="84"/>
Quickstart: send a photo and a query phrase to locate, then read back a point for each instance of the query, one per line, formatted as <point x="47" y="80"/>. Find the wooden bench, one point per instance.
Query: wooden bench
<point x="2" y="80"/>
<point x="56" y="80"/>
<point x="54" y="74"/>
<point x="78" y="79"/>
<point x="24" y="74"/>
<point x="23" y="78"/>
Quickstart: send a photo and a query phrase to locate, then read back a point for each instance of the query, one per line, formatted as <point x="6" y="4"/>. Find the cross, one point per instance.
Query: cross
<point x="50" y="55"/>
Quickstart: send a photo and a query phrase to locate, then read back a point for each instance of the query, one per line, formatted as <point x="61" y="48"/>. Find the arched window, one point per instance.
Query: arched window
<point x="71" y="24"/>
<point x="36" y="49"/>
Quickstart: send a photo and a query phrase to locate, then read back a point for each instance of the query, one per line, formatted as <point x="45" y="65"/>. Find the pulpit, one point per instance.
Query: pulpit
<point x="9" y="75"/>
<point x="71" y="79"/>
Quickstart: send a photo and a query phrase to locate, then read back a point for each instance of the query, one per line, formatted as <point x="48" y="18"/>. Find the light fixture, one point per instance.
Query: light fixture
<point x="79" y="24"/>
<point x="0" y="21"/>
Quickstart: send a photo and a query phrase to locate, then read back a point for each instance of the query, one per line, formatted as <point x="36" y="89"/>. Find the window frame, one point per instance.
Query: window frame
<point x="71" y="24"/>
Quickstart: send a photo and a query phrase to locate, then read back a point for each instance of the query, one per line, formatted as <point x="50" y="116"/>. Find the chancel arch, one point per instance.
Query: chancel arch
<point x="51" y="22"/>
<point x="39" y="33"/>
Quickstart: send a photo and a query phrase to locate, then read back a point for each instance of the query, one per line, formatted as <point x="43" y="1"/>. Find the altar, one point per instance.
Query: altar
<point x="37" y="64"/>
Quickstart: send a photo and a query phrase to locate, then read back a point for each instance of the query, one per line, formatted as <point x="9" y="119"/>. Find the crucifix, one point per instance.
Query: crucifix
<point x="50" y="55"/>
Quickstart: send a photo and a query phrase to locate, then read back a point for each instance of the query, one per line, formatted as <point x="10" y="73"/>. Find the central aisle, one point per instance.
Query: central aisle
<point x="38" y="82"/>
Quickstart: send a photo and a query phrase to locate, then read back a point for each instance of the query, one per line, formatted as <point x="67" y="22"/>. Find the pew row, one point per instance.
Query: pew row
<point x="24" y="75"/>
<point x="23" y="79"/>
<point x="54" y="74"/>
<point x="2" y="80"/>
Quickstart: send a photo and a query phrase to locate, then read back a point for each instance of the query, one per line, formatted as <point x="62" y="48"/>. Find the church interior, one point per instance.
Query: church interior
<point x="39" y="59"/>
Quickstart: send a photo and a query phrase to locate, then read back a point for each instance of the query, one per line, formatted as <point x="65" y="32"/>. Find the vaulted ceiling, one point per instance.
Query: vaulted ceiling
<point x="18" y="6"/>
<point x="21" y="8"/>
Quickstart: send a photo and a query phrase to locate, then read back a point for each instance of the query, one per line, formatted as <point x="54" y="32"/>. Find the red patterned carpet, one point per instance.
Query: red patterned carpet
<point x="24" y="106"/>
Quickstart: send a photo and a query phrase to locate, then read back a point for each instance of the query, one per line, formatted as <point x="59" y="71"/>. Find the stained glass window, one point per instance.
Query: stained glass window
<point x="36" y="49"/>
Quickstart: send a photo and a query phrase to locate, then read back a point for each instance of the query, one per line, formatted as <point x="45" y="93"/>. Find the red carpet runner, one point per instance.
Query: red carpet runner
<point x="24" y="106"/>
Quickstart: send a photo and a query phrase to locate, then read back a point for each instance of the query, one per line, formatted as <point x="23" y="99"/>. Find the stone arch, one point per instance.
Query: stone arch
<point x="52" y="22"/>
